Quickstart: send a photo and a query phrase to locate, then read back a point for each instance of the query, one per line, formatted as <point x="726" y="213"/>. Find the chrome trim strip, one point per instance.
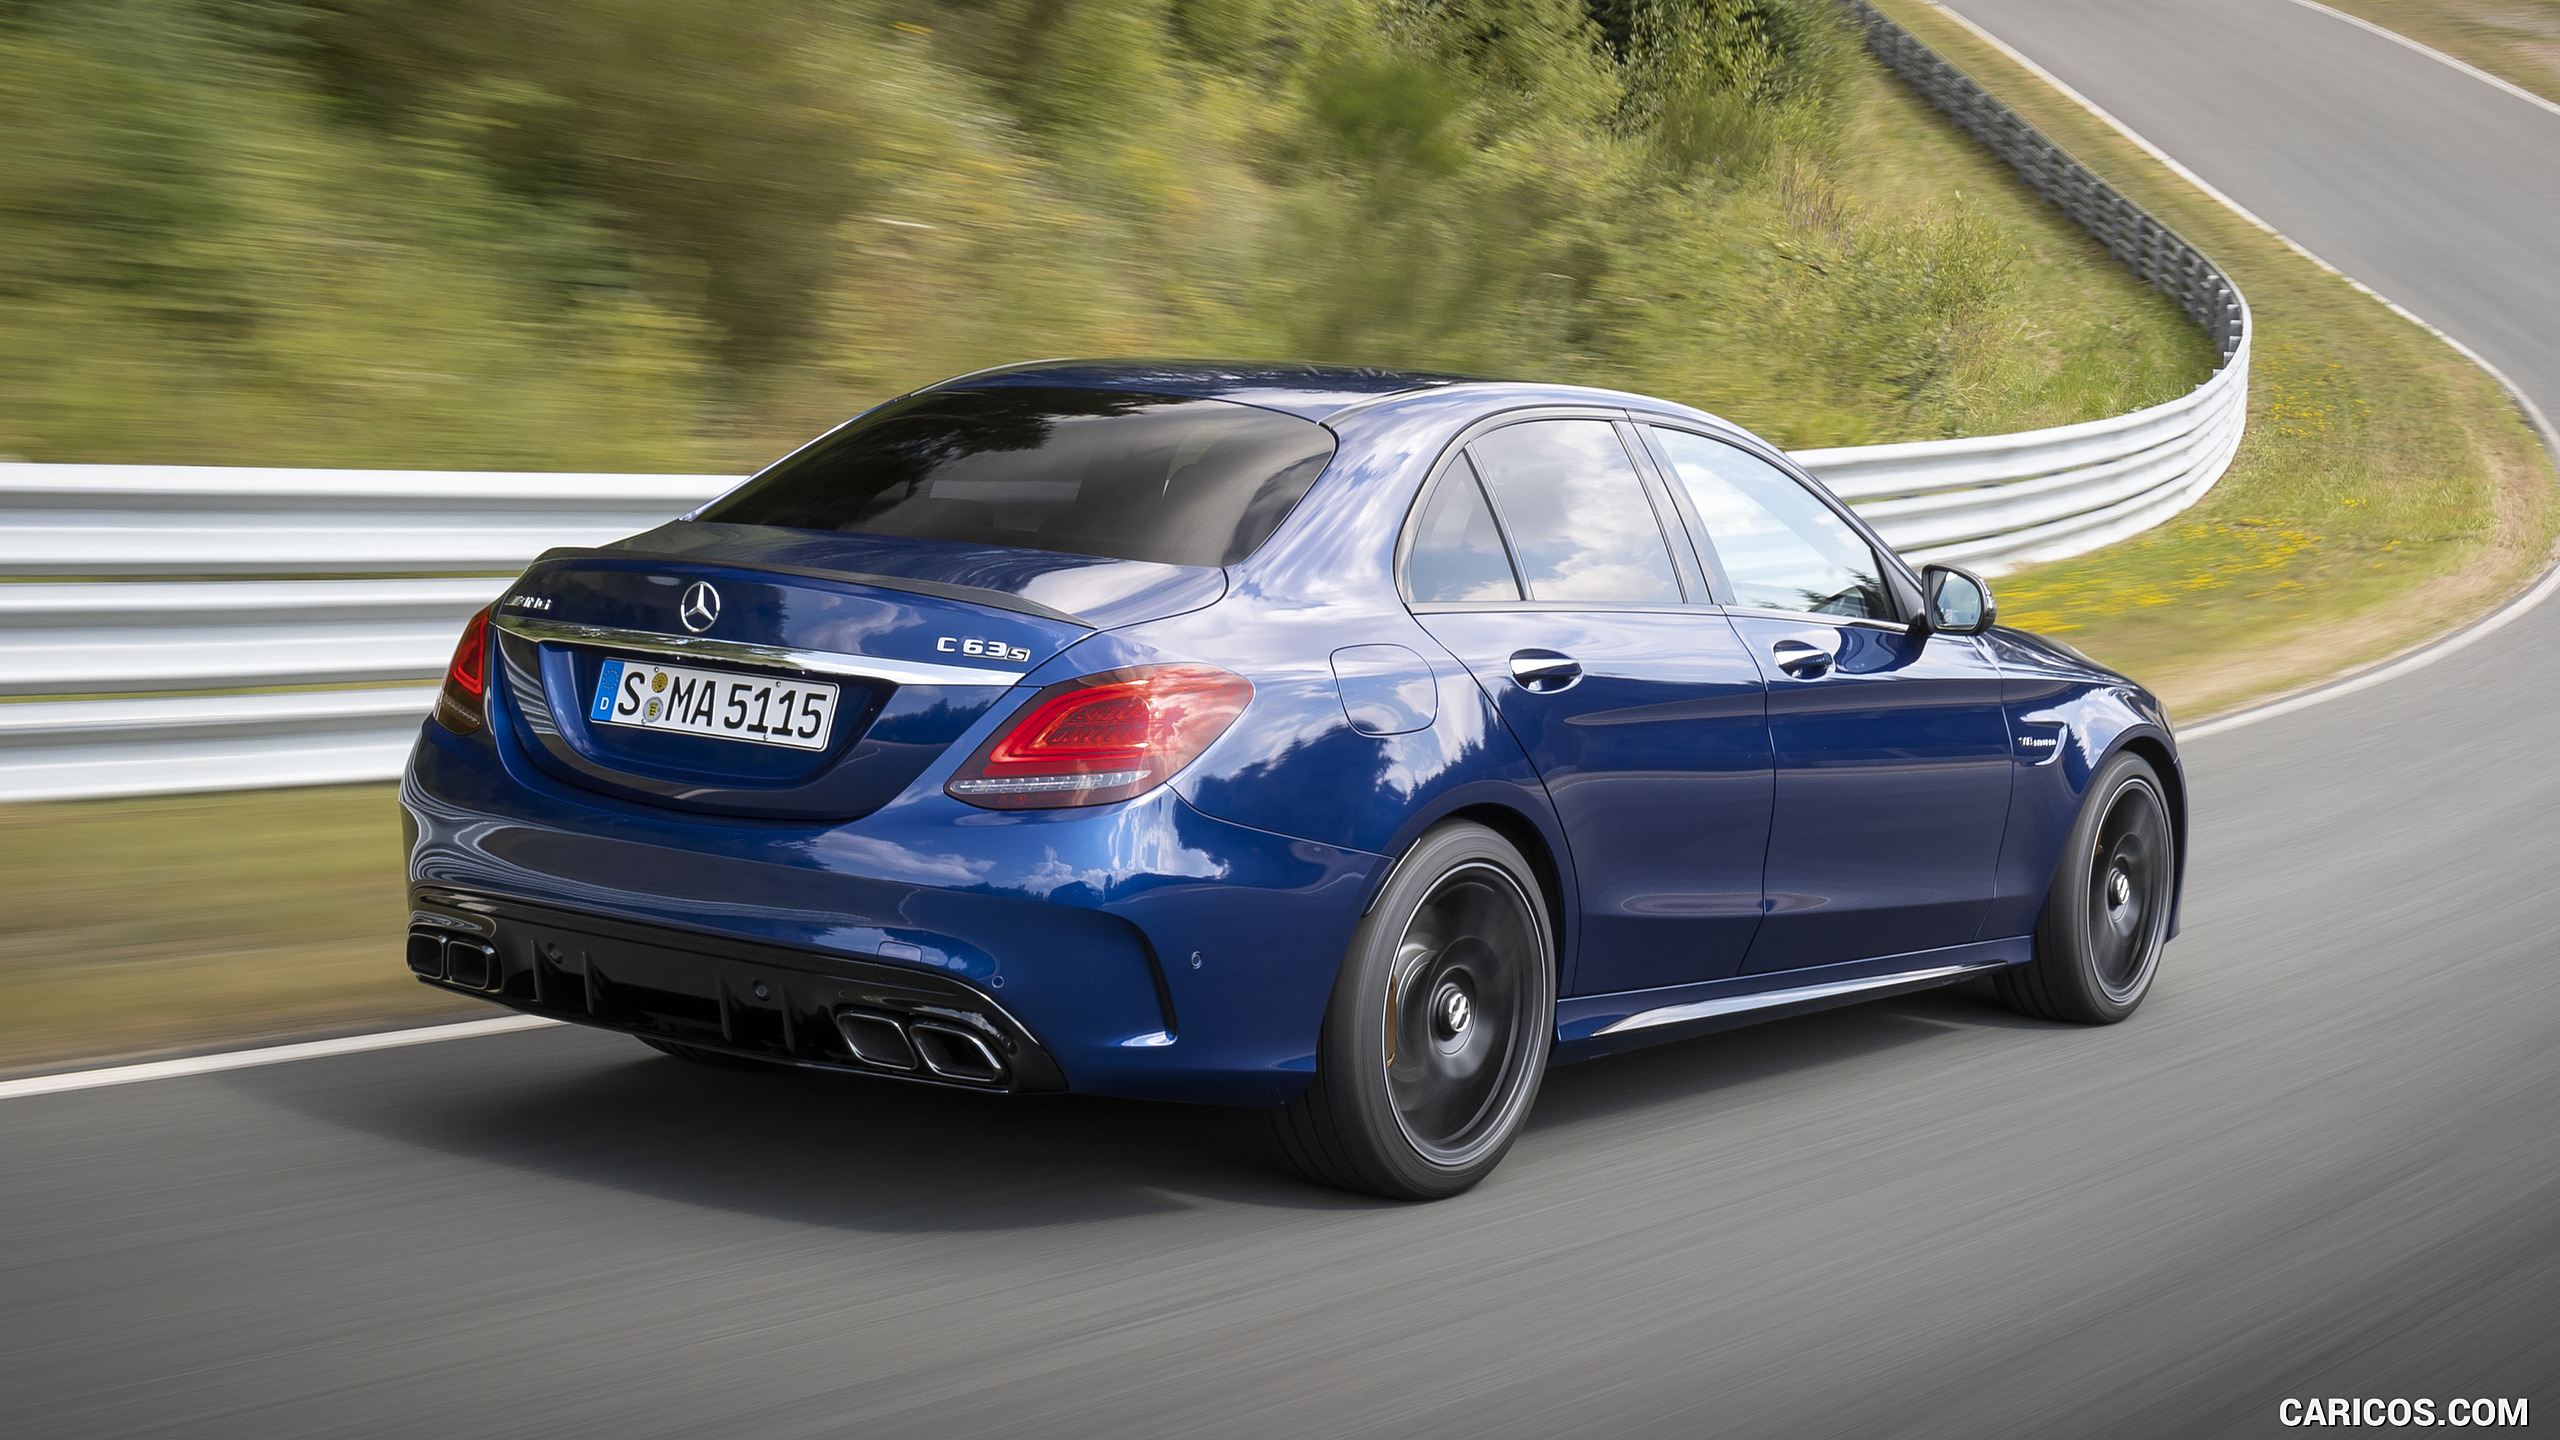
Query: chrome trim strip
<point x="1770" y="999"/>
<point x="695" y="647"/>
<point x="1815" y="617"/>
<point x="1632" y="607"/>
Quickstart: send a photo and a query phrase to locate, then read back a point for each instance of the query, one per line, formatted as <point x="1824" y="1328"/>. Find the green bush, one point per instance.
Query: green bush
<point x="656" y="234"/>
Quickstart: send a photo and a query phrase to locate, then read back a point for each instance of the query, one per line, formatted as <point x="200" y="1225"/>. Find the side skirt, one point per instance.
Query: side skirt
<point x="1589" y="1026"/>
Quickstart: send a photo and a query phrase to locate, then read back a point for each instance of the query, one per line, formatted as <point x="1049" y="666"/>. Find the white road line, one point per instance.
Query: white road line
<point x="2019" y="59"/>
<point x="2532" y="412"/>
<point x="268" y="1055"/>
<point x="2418" y="660"/>
<point x="2534" y="417"/>
<point x="2432" y="53"/>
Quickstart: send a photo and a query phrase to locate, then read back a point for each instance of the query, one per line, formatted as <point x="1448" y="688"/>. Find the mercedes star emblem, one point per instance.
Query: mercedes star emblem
<point x="701" y="606"/>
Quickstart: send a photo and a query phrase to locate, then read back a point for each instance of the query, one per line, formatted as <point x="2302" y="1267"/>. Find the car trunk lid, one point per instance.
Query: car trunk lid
<point x="652" y="670"/>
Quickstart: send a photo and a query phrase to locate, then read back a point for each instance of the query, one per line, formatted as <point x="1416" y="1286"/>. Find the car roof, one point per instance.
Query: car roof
<point x="1311" y="392"/>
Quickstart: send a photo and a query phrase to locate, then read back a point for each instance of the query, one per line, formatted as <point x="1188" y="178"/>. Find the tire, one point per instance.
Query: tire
<point x="715" y="1059"/>
<point x="1438" y="1031"/>
<point x="2107" y="915"/>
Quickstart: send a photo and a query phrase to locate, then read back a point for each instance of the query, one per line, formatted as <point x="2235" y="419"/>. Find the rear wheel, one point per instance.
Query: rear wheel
<point x="2098" y="943"/>
<point x="1439" y="1027"/>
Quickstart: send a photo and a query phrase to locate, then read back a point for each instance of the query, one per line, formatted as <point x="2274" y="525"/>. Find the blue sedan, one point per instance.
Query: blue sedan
<point x="1347" y="743"/>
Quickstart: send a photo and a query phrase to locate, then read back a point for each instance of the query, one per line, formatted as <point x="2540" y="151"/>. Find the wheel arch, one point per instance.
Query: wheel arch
<point x="1525" y="837"/>
<point x="1546" y="865"/>
<point x="2163" y="760"/>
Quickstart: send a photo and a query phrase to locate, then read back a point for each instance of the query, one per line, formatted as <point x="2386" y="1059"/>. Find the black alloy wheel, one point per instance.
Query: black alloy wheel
<point x="2128" y="912"/>
<point x="1437" y="1035"/>
<point x="2107" y="915"/>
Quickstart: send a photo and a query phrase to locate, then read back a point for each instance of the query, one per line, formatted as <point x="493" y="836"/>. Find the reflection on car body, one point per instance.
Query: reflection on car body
<point x="1349" y="743"/>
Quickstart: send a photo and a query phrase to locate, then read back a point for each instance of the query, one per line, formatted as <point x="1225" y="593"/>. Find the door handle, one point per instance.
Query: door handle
<point x="1544" y="672"/>
<point x="1805" y="659"/>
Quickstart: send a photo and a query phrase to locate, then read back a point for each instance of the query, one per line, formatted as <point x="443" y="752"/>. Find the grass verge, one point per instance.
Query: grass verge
<point x="477" y="235"/>
<point x="136" y="926"/>
<point x="2386" y="489"/>
<point x="2516" y="40"/>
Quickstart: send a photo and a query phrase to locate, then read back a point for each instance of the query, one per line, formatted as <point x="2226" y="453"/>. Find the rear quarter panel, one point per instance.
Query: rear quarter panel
<point x="1294" y="764"/>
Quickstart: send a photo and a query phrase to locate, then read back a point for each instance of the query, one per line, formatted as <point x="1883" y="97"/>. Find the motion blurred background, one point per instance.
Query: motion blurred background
<point x="661" y="235"/>
<point x="658" y="235"/>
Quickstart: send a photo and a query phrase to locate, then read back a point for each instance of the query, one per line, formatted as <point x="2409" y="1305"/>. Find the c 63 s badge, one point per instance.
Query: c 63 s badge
<point x="984" y="649"/>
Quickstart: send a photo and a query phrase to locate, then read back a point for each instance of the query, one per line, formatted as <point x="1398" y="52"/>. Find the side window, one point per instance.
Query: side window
<point x="1576" y="511"/>
<point x="1457" y="549"/>
<point x="1782" y="548"/>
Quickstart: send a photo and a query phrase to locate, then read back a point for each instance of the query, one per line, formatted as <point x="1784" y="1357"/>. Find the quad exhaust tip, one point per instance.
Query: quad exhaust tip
<point x="472" y="964"/>
<point x="876" y="1040"/>
<point x="948" y="1052"/>
<point x="884" y="1042"/>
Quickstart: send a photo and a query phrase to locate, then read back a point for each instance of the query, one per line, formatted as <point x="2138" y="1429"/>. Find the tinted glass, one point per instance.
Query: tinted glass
<point x="1579" y="522"/>
<point x="1089" y="472"/>
<point x="1457" y="549"/>
<point x="1782" y="548"/>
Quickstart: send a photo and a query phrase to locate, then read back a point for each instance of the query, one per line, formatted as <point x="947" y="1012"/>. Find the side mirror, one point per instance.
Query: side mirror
<point x="1959" y="603"/>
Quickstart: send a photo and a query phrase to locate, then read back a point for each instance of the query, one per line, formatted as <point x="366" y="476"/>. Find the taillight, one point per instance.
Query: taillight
<point x="1101" y="738"/>
<point x="462" y="706"/>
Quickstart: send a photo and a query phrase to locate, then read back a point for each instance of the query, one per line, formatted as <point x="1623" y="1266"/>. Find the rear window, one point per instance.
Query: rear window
<point x="1089" y="472"/>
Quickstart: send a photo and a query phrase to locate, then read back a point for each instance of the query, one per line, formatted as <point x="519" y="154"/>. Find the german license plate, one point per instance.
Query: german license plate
<point x="758" y="709"/>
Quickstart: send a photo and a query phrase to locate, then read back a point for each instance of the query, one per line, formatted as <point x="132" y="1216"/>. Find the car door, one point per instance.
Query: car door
<point x="1541" y="558"/>
<point x="1893" y="764"/>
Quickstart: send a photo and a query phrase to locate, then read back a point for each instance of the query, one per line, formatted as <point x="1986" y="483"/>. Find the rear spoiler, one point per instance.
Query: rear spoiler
<point x="939" y="589"/>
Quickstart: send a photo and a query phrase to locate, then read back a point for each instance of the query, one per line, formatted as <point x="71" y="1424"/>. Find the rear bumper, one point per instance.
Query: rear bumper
<point x="1143" y="950"/>
<point x="823" y="1011"/>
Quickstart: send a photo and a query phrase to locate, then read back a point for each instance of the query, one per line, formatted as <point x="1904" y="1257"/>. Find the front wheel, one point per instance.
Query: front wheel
<point x="1439" y="1027"/>
<point x="2098" y="943"/>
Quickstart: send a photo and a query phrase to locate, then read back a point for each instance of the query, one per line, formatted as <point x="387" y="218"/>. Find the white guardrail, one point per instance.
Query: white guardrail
<point x="113" y="684"/>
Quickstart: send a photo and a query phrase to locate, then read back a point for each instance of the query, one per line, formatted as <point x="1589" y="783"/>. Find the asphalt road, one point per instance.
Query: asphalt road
<point x="2322" y="1160"/>
<point x="2431" y="186"/>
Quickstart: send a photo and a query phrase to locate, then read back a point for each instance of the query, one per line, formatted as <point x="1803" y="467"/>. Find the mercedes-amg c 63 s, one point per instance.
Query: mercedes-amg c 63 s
<point x="1346" y="743"/>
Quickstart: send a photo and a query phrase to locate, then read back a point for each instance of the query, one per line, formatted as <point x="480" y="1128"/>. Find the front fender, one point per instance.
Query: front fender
<point x="2067" y="719"/>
